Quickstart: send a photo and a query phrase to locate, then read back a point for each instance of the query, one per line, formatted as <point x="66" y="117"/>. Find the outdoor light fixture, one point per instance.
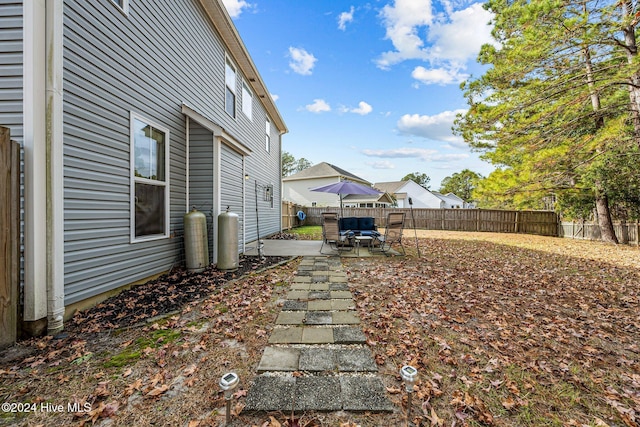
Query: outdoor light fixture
<point x="228" y="384"/>
<point x="409" y="375"/>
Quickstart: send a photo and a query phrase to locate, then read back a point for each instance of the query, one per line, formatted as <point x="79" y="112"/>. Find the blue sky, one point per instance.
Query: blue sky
<point x="372" y="87"/>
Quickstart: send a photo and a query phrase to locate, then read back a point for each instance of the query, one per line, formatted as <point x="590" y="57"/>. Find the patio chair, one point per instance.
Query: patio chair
<point x="331" y="234"/>
<point x="392" y="233"/>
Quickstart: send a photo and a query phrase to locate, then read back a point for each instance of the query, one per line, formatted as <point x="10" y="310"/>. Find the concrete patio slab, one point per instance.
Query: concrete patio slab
<point x="294" y="305"/>
<point x="318" y="318"/>
<point x="318" y="394"/>
<point x="317" y="336"/>
<point x="288" y="335"/>
<point x="348" y="335"/>
<point x="341" y="295"/>
<point x="355" y="360"/>
<point x="271" y="393"/>
<point x="364" y="394"/>
<point x="319" y="305"/>
<point x="343" y="304"/>
<point x="345" y="318"/>
<point x="290" y="318"/>
<point x="317" y="359"/>
<point x="279" y="359"/>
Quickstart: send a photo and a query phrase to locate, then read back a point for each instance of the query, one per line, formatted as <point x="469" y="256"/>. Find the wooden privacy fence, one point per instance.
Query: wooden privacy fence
<point x="530" y="222"/>
<point x="290" y="215"/>
<point x="9" y="237"/>
<point x="625" y="232"/>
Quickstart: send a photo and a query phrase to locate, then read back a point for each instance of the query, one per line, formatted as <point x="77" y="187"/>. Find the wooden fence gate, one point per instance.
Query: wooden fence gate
<point x="9" y="237"/>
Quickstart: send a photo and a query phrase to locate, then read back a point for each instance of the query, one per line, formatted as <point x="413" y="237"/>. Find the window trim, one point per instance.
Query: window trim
<point x="228" y="62"/>
<point x="267" y="132"/>
<point x="246" y="90"/>
<point x="124" y="8"/>
<point x="133" y="180"/>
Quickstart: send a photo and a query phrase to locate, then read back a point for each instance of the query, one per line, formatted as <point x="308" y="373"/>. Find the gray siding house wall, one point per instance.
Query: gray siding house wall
<point x="161" y="63"/>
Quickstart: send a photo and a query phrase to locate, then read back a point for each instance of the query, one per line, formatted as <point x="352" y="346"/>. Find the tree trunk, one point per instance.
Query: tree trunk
<point x="631" y="50"/>
<point x="604" y="218"/>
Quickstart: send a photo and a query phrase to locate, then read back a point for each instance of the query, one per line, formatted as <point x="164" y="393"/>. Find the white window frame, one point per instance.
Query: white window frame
<point x="134" y="180"/>
<point x="231" y="86"/>
<point x="123" y="5"/>
<point x="247" y="101"/>
<point x="267" y="130"/>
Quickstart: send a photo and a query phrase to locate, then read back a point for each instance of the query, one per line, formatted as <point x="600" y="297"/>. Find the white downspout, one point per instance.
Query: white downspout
<point x="55" y="173"/>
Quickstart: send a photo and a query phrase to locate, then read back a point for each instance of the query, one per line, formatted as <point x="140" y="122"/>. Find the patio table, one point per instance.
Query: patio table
<point x="359" y="240"/>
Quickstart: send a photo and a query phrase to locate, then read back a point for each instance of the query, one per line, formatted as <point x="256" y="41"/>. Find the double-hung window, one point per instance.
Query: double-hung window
<point x="267" y="139"/>
<point x="247" y="101"/>
<point x="149" y="179"/>
<point x="230" y="89"/>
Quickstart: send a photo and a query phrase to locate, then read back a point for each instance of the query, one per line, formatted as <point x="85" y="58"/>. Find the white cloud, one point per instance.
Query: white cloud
<point x="441" y="76"/>
<point x="437" y="127"/>
<point x="345" y="17"/>
<point x="415" y="153"/>
<point x="235" y="7"/>
<point x="460" y="38"/>
<point x="318" y="106"/>
<point x="384" y="164"/>
<point x="302" y="62"/>
<point x="274" y="96"/>
<point x="402" y="21"/>
<point x="363" y="109"/>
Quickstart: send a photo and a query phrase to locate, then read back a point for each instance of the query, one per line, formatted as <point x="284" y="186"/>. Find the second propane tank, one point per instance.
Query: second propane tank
<point x="227" y="241"/>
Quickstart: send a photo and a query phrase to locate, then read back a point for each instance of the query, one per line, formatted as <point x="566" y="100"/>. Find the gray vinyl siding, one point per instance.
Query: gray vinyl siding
<point x="11" y="57"/>
<point x="163" y="54"/>
<point x="201" y="170"/>
<point x="231" y="185"/>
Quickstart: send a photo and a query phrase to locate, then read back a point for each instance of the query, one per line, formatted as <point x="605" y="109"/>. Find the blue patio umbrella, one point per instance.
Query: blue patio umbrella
<point x="344" y="188"/>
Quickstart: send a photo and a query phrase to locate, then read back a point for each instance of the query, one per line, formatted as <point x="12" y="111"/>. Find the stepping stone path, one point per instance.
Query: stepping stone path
<point x="317" y="358"/>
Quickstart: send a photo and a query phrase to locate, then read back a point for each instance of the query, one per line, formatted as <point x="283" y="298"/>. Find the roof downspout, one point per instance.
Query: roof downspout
<point x="55" y="177"/>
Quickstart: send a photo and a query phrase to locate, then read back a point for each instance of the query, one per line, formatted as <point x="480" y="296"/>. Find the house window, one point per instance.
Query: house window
<point x="122" y="4"/>
<point x="230" y="89"/>
<point x="149" y="180"/>
<point x="247" y="101"/>
<point x="267" y="141"/>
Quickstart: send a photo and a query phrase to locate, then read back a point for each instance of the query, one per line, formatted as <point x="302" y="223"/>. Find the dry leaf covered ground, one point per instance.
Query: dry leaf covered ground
<point x="506" y="330"/>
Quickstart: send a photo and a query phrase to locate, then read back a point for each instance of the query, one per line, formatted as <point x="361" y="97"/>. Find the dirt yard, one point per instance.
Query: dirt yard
<point x="505" y="330"/>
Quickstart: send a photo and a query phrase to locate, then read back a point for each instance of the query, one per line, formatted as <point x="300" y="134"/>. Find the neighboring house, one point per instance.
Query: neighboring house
<point x="129" y="112"/>
<point x="403" y="190"/>
<point x="421" y="197"/>
<point x="451" y="201"/>
<point x="295" y="188"/>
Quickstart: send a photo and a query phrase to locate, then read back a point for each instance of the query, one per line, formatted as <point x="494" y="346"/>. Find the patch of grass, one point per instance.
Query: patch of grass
<point x="134" y="351"/>
<point x="307" y="232"/>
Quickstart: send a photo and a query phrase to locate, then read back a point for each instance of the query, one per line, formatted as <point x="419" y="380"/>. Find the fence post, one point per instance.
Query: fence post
<point x="516" y="228"/>
<point x="9" y="237"/>
<point x="637" y="233"/>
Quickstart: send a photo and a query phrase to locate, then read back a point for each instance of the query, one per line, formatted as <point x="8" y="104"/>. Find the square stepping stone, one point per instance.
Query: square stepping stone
<point x="297" y="295"/>
<point x="300" y="286"/>
<point x="318" y="318"/>
<point x="364" y="394"/>
<point x="319" y="305"/>
<point x="341" y="295"/>
<point x="290" y="318"/>
<point x="302" y="279"/>
<point x="317" y="359"/>
<point x="343" y="304"/>
<point x="279" y="359"/>
<point x="345" y="318"/>
<point x="317" y="394"/>
<point x="318" y="295"/>
<point x="317" y="279"/>
<point x="317" y="336"/>
<point x="319" y="286"/>
<point x="291" y="305"/>
<point x="338" y="287"/>
<point x="270" y="394"/>
<point x="355" y="360"/>
<point x="349" y="335"/>
<point x="288" y="335"/>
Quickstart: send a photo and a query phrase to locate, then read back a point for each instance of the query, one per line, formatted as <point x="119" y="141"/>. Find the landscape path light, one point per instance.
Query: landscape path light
<point x="409" y="376"/>
<point x="228" y="384"/>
